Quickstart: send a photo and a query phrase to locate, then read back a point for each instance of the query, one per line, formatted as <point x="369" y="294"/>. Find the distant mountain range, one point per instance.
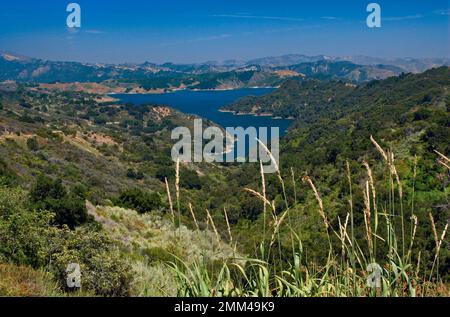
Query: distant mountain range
<point x="231" y="74"/>
<point x="413" y="65"/>
<point x="407" y="64"/>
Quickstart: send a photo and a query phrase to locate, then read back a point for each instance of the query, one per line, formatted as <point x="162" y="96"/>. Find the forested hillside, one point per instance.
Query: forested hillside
<point x="408" y="115"/>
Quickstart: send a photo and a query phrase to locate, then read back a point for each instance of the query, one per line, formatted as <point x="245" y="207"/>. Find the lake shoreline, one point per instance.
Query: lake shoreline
<point x="255" y="114"/>
<point x="212" y="105"/>
<point x="162" y="92"/>
<point x="235" y="113"/>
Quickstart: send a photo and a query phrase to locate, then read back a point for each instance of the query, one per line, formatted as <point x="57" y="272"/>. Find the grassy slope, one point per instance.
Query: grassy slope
<point x="150" y="241"/>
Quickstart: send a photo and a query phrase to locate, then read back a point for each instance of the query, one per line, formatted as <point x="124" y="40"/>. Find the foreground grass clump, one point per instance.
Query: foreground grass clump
<point x="150" y="241"/>
<point x="23" y="281"/>
<point x="383" y="261"/>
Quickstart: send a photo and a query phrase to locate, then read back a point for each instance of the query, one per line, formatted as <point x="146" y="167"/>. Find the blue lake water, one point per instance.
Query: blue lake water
<point x="206" y="104"/>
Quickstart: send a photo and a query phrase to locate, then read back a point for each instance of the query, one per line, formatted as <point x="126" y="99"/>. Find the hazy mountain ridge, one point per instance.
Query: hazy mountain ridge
<point x="413" y="65"/>
<point x="345" y="71"/>
<point x="231" y="74"/>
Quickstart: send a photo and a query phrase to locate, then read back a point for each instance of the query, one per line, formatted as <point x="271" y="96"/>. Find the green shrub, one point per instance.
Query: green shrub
<point x="7" y="176"/>
<point x="26" y="238"/>
<point x="165" y="172"/>
<point x="250" y="208"/>
<point x="158" y="254"/>
<point x="139" y="200"/>
<point x="24" y="234"/>
<point x="133" y="174"/>
<point x="70" y="209"/>
<point x="46" y="187"/>
<point x="103" y="271"/>
<point x="422" y="114"/>
<point x="190" y="180"/>
<point x="33" y="144"/>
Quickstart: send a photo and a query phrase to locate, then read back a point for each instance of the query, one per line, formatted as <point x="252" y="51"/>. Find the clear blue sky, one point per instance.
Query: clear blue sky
<point x="200" y="30"/>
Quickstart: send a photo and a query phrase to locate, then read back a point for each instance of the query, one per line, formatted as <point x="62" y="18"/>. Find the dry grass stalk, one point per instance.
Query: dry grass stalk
<point x="277" y="225"/>
<point x="308" y="180"/>
<point x="170" y="200"/>
<point x="348" y="239"/>
<point x="444" y="164"/>
<point x="262" y="197"/>
<point x="415" y="167"/>
<point x="341" y="237"/>
<point x="433" y="227"/>
<point x="274" y="161"/>
<point x="442" y="239"/>
<point x="367" y="215"/>
<point x="350" y="201"/>
<point x="397" y="178"/>
<point x="379" y="148"/>
<point x="415" y="222"/>
<point x="193" y="216"/>
<point x="293" y="185"/>
<point x="372" y="185"/>
<point x="346" y="222"/>
<point x="263" y="183"/>
<point x="347" y="167"/>
<point x="343" y="231"/>
<point x="228" y="225"/>
<point x="177" y="180"/>
<point x="213" y="226"/>
<point x="418" y="264"/>
<point x="437" y="241"/>
<point x="443" y="156"/>
<point x="390" y="160"/>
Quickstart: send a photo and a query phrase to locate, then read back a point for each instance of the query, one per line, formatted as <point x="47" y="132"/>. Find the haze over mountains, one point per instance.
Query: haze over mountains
<point x="267" y="71"/>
